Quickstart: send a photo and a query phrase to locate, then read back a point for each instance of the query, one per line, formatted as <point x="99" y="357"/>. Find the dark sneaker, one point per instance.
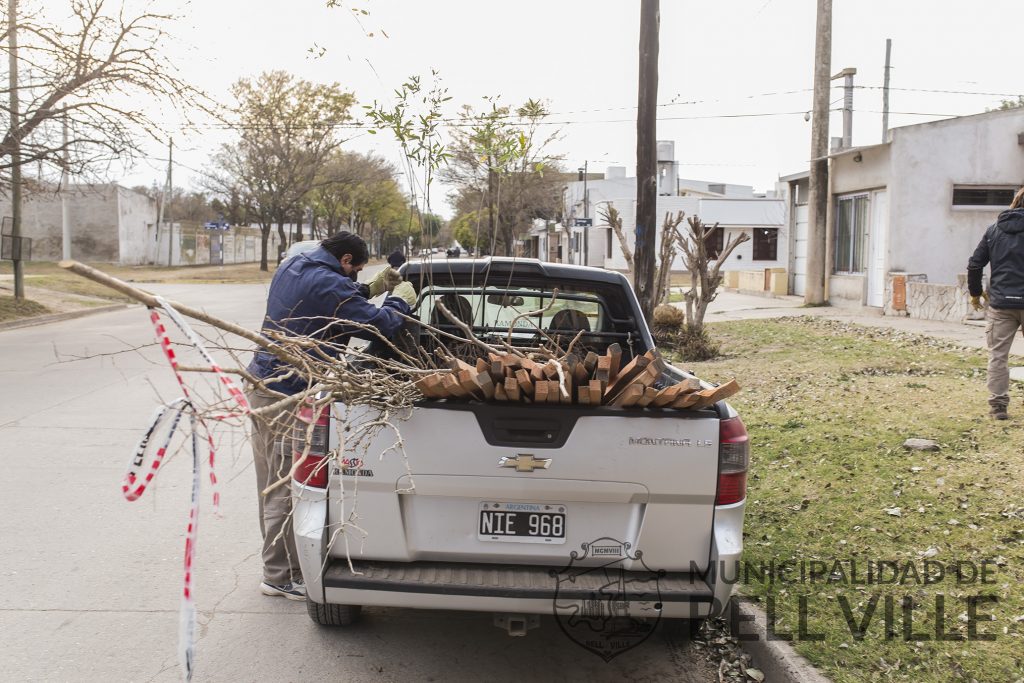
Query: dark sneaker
<point x="998" y="414"/>
<point x="292" y="591"/>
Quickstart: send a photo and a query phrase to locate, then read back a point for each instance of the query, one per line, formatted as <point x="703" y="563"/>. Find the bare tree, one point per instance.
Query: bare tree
<point x="610" y="215"/>
<point x="666" y="256"/>
<point x="666" y="250"/>
<point x="103" y="74"/>
<point x="704" y="277"/>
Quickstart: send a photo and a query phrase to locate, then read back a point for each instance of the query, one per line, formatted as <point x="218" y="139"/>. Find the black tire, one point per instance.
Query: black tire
<point x="333" y="615"/>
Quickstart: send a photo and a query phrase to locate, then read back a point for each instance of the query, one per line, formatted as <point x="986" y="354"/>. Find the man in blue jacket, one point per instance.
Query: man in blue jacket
<point x="315" y="294"/>
<point x="1002" y="248"/>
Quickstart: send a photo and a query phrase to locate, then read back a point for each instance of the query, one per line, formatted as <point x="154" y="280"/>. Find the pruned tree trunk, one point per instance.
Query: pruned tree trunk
<point x="264" y="242"/>
<point x="666" y="256"/>
<point x="283" y="244"/>
<point x="611" y="216"/>
<point x="705" y="278"/>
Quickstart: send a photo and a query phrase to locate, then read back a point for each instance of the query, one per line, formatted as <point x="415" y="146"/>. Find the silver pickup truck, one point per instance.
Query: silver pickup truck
<point x="526" y="509"/>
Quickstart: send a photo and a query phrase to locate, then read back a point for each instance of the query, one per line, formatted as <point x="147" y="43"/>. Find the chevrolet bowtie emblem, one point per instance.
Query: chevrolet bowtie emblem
<point x="524" y="462"/>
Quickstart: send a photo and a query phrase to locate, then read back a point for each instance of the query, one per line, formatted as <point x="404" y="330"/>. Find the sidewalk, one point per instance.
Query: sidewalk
<point x="736" y="306"/>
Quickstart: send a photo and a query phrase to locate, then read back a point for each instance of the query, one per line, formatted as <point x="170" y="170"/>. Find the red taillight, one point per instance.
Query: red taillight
<point x="311" y="471"/>
<point x="733" y="460"/>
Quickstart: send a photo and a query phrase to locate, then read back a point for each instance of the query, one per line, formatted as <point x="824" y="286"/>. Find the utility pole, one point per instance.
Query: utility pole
<point x="885" y="91"/>
<point x="647" y="158"/>
<point x="814" y="293"/>
<point x="847" y="76"/>
<point x="12" y="53"/>
<point x="167" y="202"/>
<point x="65" y="181"/>
<point x="586" y="215"/>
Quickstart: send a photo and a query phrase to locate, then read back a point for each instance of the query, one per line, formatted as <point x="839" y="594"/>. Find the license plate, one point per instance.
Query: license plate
<point x="522" y="522"/>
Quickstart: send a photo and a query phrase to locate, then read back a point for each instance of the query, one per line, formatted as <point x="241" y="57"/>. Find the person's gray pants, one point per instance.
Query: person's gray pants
<point x="1001" y="325"/>
<point x="271" y="453"/>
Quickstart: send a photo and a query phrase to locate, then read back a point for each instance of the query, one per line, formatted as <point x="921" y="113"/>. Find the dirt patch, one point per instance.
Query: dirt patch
<point x="14" y="309"/>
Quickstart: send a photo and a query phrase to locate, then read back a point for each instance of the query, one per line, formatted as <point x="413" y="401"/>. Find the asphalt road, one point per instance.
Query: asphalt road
<point x="89" y="583"/>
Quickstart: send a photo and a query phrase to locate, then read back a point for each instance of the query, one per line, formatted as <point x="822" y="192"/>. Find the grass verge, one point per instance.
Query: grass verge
<point x="828" y="406"/>
<point x="12" y="309"/>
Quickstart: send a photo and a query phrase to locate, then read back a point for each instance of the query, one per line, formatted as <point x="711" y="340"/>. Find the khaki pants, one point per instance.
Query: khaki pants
<point x="271" y="453"/>
<point x="1001" y="324"/>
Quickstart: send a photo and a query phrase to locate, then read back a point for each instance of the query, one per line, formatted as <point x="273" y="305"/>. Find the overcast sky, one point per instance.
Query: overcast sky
<point x="718" y="60"/>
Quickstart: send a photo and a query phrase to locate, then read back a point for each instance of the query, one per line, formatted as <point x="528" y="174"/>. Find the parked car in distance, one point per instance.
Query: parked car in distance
<point x="302" y="247"/>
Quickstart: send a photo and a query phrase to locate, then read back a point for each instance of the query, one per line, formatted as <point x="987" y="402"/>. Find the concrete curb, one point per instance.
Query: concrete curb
<point x="775" y="658"/>
<point x="57" y="317"/>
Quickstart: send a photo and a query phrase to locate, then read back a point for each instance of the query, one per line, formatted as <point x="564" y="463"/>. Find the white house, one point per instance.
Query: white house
<point x="585" y="238"/>
<point x="912" y="208"/>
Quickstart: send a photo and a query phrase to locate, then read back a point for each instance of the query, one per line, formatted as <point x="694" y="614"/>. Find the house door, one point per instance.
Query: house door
<point x="879" y="246"/>
<point x="800" y="249"/>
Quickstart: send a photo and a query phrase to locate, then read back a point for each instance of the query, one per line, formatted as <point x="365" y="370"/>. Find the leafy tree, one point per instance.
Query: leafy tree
<point x="415" y="121"/>
<point x="1012" y="104"/>
<point x="345" y="184"/>
<point x="465" y="230"/>
<point x="288" y="129"/>
<point x="502" y="172"/>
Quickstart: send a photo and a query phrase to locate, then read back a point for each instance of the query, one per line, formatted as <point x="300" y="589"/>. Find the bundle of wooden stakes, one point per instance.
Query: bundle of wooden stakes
<point x="592" y="380"/>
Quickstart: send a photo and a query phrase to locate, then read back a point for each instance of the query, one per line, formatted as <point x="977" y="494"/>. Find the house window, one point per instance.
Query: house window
<point x="975" y="196"/>
<point x="714" y="242"/>
<point x="851" y="239"/>
<point x="766" y="244"/>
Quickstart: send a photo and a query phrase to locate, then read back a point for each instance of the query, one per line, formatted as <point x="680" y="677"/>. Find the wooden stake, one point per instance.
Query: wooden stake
<point x="486" y="384"/>
<point x="512" y="388"/>
<point x="648" y="396"/>
<point x="628" y="396"/>
<point x="615" y="354"/>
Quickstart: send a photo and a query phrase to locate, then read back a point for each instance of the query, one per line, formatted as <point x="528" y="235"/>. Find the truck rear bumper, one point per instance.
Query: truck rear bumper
<point x="501" y="587"/>
<point x="520" y="589"/>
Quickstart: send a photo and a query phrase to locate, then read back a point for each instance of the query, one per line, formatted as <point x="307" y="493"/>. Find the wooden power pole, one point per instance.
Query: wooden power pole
<point x="817" y="269"/>
<point x="647" y="158"/>
<point x="12" y="54"/>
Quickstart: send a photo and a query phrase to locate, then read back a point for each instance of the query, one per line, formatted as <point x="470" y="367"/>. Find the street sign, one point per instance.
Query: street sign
<point x="583" y="222"/>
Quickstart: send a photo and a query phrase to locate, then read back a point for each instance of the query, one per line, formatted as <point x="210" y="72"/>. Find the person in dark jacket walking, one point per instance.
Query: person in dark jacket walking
<point x="313" y="294"/>
<point x="1002" y="249"/>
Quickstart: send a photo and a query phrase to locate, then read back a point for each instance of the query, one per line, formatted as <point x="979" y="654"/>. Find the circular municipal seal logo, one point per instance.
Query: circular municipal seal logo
<point x="607" y="600"/>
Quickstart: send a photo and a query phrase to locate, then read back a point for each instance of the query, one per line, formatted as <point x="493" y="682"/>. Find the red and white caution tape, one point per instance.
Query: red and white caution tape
<point x="149" y="455"/>
<point x="194" y="339"/>
<point x="187" y="613"/>
<point x="139" y="473"/>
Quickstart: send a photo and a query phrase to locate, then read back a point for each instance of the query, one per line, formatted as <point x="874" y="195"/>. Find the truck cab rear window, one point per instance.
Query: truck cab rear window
<point x="496" y="310"/>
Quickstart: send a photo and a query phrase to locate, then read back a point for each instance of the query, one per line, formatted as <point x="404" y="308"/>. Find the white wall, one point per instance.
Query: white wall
<point x="927" y="234"/>
<point x="137" y="217"/>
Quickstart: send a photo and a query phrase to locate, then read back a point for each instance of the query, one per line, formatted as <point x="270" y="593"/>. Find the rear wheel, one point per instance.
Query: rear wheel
<point x="333" y="615"/>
